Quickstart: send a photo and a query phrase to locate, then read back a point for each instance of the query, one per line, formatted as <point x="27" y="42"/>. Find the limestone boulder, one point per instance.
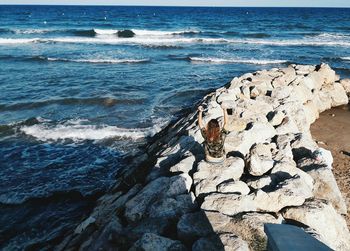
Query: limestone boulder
<point x="260" y="160"/>
<point x="346" y="85"/>
<point x="209" y="176"/>
<point x="325" y="184"/>
<point x="238" y="187"/>
<point x="291" y="192"/>
<point x="184" y="165"/>
<point x="256" y="133"/>
<point x="336" y="93"/>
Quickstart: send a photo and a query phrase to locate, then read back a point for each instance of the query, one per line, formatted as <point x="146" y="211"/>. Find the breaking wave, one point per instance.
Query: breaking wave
<point x="79" y="60"/>
<point x="78" y="130"/>
<point x="242" y="61"/>
<point x="147" y="41"/>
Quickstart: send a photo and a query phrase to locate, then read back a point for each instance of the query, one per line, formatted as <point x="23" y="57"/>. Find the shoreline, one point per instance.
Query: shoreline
<point x="170" y="198"/>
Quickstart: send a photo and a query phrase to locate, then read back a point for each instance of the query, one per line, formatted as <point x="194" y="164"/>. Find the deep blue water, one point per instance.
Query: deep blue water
<point x="75" y="97"/>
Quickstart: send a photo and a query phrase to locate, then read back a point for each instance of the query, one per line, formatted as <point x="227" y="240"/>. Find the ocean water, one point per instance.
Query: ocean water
<point x="83" y="87"/>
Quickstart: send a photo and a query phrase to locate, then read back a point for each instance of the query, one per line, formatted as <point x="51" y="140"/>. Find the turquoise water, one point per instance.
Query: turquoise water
<point x="82" y="87"/>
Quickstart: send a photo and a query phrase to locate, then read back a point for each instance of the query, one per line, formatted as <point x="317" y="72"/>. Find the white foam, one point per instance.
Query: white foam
<point x="136" y="40"/>
<point x="346" y="58"/>
<point x="31" y="31"/>
<point x="18" y="40"/>
<point x="233" y="60"/>
<point x="332" y="36"/>
<point x="75" y="130"/>
<point x="174" y="40"/>
<point x="100" y="61"/>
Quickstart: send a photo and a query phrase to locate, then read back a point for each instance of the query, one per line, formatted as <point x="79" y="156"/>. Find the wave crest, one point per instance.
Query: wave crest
<point x="77" y="130"/>
<point x="232" y="60"/>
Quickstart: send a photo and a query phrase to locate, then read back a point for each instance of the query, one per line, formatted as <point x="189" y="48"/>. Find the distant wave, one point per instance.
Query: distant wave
<point x="93" y="32"/>
<point x="346" y="58"/>
<point x="332" y="35"/>
<point x="241" y="61"/>
<point x="101" y="61"/>
<point x="76" y="130"/>
<point x="92" y="60"/>
<point x="147" y="39"/>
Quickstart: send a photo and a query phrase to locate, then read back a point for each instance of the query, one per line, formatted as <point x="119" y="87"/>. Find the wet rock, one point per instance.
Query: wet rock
<point x="126" y="33"/>
<point x="322" y="217"/>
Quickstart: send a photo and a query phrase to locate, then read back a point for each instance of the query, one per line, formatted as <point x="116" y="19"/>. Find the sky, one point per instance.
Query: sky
<point x="258" y="3"/>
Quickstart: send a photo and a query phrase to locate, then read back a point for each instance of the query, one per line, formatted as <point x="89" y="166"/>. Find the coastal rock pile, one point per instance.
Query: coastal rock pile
<point x="274" y="173"/>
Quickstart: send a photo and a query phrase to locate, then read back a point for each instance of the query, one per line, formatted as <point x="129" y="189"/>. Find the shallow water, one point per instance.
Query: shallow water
<point x="75" y="98"/>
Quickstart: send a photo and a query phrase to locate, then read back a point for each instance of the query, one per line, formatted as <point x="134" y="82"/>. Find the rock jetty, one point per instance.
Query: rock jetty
<point x="169" y="198"/>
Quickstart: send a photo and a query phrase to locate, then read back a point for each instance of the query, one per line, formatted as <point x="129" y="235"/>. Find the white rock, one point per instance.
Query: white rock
<point x="260" y="160"/>
<point x="322" y="217"/>
<point x="325" y="184"/>
<point x="242" y="142"/>
<point x="289" y="169"/>
<point x="346" y="85"/>
<point x="336" y="93"/>
<point x="291" y="192"/>
<point x="209" y="176"/>
<point x="277" y="118"/>
<point x="260" y="182"/>
<point x="184" y="165"/>
<point x="234" y="187"/>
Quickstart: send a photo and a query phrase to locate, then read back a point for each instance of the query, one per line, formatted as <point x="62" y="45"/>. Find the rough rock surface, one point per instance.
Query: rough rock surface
<point x="169" y="198"/>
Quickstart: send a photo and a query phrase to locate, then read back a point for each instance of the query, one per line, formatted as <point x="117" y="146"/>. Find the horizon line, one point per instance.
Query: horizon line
<point x="171" y="6"/>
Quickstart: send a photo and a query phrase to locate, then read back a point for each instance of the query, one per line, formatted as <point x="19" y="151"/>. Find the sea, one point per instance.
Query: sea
<point x="83" y="87"/>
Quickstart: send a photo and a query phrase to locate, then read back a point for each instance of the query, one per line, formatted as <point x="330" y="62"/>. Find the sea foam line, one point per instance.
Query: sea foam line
<point x="100" y="61"/>
<point x="243" y="61"/>
<point x="76" y="131"/>
<point x="173" y="40"/>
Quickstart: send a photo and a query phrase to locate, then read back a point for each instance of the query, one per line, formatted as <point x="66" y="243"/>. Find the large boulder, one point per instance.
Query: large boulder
<point x="260" y="160"/>
<point x="136" y="208"/>
<point x="291" y="192"/>
<point x="322" y="217"/>
<point x="325" y="184"/>
<point x="209" y="176"/>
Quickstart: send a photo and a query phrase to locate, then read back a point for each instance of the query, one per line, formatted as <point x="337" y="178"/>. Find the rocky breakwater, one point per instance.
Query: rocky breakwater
<point x="171" y="199"/>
